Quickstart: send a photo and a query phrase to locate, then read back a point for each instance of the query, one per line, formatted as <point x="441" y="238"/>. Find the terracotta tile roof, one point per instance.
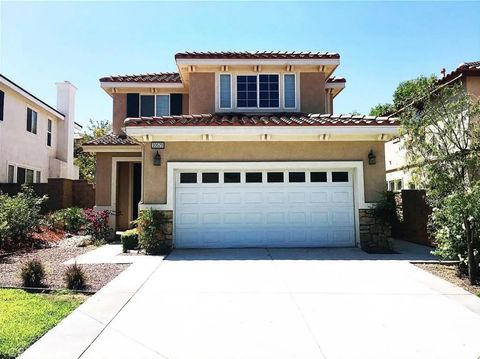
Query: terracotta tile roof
<point x="277" y="119"/>
<point x="465" y="69"/>
<point x="334" y="80"/>
<point x="165" y="77"/>
<point x="111" y="140"/>
<point x="256" y="55"/>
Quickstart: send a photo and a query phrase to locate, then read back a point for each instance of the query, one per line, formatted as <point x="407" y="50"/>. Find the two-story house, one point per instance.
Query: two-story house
<point x="36" y="139"/>
<point x="398" y="175"/>
<point x="242" y="150"/>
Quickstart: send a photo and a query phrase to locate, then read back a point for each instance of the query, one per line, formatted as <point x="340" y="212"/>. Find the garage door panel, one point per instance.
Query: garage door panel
<point x="275" y="217"/>
<point x="233" y="198"/>
<point x="253" y="197"/>
<point x="319" y="197"/>
<point x="275" y="197"/>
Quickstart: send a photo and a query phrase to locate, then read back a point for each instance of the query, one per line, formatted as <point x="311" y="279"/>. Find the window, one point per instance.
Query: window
<point x="20" y="175"/>
<point x="289" y="90"/>
<point x="253" y="177"/>
<point x="275" y="177"/>
<point x="318" y="176"/>
<point x="2" y="106"/>
<point x="231" y="177"/>
<point x="339" y="176"/>
<point x="49" y="132"/>
<point x="147" y="105"/>
<point x="29" y="177"/>
<point x="398" y="185"/>
<point x="188" y="178"/>
<point x="247" y="91"/>
<point x="225" y="91"/>
<point x="296" y="177"/>
<point x="210" y="177"/>
<point x="162" y="105"/>
<point x="31" y="121"/>
<point x="11" y="173"/>
<point x="269" y="95"/>
<point x="38" y="176"/>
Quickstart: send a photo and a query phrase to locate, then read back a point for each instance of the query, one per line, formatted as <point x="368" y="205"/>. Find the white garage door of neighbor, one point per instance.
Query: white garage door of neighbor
<point x="228" y="209"/>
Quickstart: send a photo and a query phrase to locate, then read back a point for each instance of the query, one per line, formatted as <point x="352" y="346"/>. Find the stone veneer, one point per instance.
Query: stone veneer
<point x="374" y="233"/>
<point x="166" y="234"/>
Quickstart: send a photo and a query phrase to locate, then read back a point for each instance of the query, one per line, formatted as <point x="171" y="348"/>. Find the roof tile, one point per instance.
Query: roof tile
<point x="256" y="55"/>
<point x="465" y="69"/>
<point x="162" y="77"/>
<point x="111" y="140"/>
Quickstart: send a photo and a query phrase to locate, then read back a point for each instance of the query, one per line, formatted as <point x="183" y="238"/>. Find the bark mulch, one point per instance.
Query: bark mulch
<point x="449" y="273"/>
<point x="97" y="275"/>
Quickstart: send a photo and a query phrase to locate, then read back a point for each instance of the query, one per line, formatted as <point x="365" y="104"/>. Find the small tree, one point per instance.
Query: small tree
<point x="442" y="140"/>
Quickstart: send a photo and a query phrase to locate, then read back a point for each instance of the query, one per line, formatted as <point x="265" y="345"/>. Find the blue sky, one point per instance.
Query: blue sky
<point x="381" y="44"/>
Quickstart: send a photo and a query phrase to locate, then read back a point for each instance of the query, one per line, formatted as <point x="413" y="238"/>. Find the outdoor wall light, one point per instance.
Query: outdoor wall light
<point x="157" y="159"/>
<point x="372" y="159"/>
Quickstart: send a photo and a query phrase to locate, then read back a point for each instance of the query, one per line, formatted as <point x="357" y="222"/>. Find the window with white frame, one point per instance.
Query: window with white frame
<point x="225" y="91"/>
<point x="154" y="105"/>
<point x="289" y="93"/>
<point x="49" y="132"/>
<point x="258" y="91"/>
<point x="31" y="121"/>
<point x="21" y="175"/>
<point x="11" y="173"/>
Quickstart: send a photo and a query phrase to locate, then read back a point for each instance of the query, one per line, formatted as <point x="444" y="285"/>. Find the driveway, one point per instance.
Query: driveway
<point x="287" y="303"/>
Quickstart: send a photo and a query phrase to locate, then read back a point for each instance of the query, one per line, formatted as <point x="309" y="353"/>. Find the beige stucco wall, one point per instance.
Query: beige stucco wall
<point x="202" y="93"/>
<point x="20" y="147"/>
<point x="103" y="176"/>
<point x="312" y="92"/>
<point x="119" y="112"/>
<point x="155" y="187"/>
<point x="473" y="85"/>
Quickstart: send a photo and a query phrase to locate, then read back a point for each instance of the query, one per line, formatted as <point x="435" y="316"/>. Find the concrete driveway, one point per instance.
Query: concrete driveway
<point x="287" y="303"/>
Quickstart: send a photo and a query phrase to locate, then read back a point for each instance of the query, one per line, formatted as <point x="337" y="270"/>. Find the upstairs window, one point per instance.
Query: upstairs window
<point x="31" y="121"/>
<point x="225" y="91"/>
<point x="269" y="95"/>
<point x="162" y="105"/>
<point x="49" y="132"/>
<point x="154" y="105"/>
<point x="289" y="94"/>
<point x="2" y="106"/>
<point x="247" y="91"/>
<point x="258" y="91"/>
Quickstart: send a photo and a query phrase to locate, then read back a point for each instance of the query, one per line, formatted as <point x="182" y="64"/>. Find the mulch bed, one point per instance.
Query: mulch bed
<point x="97" y="274"/>
<point x="449" y="273"/>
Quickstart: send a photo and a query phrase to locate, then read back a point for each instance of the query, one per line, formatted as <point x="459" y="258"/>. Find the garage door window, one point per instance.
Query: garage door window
<point x="296" y="177"/>
<point x="318" y="176"/>
<point x="253" y="177"/>
<point x="210" y="177"/>
<point x="339" y="176"/>
<point x="231" y="177"/>
<point x="275" y="177"/>
<point x="188" y="178"/>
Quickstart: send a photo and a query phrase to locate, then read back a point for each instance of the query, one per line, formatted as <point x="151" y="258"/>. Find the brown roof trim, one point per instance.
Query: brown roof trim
<point x="256" y="55"/>
<point x="465" y="69"/>
<point x="163" y="77"/>
<point x="277" y="119"/>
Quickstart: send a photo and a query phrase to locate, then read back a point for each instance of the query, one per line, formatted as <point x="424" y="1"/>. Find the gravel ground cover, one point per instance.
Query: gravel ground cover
<point x="97" y="274"/>
<point x="449" y="273"/>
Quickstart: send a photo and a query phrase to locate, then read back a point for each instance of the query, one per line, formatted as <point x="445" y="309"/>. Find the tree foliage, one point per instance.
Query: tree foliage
<point x="85" y="160"/>
<point x="442" y="141"/>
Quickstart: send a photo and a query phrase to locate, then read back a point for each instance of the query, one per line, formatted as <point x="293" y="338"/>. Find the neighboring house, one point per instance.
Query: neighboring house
<point x="36" y="140"/>
<point x="398" y="176"/>
<point x="242" y="150"/>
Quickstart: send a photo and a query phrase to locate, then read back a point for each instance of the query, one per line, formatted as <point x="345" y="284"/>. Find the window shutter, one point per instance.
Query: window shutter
<point x="176" y="104"/>
<point x="133" y="104"/>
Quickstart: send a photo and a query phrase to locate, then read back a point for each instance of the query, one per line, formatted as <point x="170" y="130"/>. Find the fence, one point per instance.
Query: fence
<point x="62" y="193"/>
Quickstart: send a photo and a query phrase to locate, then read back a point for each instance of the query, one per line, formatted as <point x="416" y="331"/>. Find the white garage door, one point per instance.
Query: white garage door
<point x="225" y="209"/>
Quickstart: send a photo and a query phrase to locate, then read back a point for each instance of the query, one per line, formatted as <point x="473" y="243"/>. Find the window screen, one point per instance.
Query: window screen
<point x="162" y="105"/>
<point x="289" y="90"/>
<point x="225" y="91"/>
<point x="147" y="105"/>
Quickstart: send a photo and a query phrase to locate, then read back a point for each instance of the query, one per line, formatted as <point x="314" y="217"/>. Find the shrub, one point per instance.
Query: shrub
<point x="75" y="277"/>
<point x="97" y="225"/>
<point x="129" y="240"/>
<point x="150" y="235"/>
<point x="19" y="215"/>
<point x="72" y="219"/>
<point x="32" y="273"/>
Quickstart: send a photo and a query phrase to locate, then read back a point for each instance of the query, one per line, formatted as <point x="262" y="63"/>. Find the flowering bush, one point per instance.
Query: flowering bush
<point x="97" y="225"/>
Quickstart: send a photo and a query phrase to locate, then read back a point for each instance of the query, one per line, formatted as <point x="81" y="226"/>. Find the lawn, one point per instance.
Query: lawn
<point x="25" y="317"/>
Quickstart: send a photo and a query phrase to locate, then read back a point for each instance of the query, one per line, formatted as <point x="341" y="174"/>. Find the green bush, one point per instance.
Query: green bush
<point x="129" y="240"/>
<point x="150" y="236"/>
<point x="72" y="219"/>
<point x="32" y="273"/>
<point x="75" y="277"/>
<point x="19" y="215"/>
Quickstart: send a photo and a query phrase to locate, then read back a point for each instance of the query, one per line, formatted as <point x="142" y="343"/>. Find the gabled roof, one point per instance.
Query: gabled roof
<point x="256" y="55"/>
<point x="276" y="119"/>
<point x="111" y="140"/>
<point x="465" y="69"/>
<point x="163" y="77"/>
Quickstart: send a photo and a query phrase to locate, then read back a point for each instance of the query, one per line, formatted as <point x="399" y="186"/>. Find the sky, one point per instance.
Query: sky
<point x="380" y="43"/>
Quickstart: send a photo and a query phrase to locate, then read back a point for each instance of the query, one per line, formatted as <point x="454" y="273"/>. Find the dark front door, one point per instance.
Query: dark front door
<point x="137" y="188"/>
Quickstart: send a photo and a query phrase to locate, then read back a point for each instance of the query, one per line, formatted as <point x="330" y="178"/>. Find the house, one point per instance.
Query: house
<point x="36" y="139"/>
<point x="241" y="149"/>
<point x="398" y="176"/>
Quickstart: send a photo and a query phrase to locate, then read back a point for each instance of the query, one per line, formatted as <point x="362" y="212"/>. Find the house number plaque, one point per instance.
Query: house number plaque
<point x="158" y="145"/>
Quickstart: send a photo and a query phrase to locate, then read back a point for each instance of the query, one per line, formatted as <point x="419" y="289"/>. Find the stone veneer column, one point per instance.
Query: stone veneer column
<point x="374" y="233"/>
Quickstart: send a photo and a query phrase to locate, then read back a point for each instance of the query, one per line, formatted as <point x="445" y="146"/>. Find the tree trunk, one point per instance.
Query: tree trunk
<point x="472" y="265"/>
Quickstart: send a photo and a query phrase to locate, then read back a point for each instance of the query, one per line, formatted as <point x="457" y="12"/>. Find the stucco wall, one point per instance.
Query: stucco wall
<point x="17" y="145"/>
<point x="202" y="93"/>
<point x="312" y="92"/>
<point x="119" y="112"/>
<point x="155" y="186"/>
<point x="473" y="85"/>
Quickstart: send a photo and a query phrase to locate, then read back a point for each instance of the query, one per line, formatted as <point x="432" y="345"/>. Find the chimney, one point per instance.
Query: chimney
<point x="443" y="72"/>
<point x="66" y="105"/>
